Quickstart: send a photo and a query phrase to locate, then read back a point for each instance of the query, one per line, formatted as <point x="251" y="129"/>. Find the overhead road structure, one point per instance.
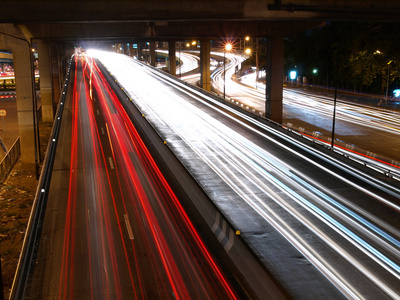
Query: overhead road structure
<point x="187" y="11"/>
<point x="59" y="25"/>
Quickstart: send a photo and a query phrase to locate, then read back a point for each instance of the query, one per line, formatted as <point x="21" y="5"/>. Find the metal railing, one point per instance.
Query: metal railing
<point x="9" y="160"/>
<point x="26" y="262"/>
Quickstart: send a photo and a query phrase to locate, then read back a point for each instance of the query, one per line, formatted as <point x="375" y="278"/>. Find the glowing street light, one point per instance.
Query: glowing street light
<point x="247" y="51"/>
<point x="228" y="47"/>
<point x="315" y="72"/>
<point x="293" y="75"/>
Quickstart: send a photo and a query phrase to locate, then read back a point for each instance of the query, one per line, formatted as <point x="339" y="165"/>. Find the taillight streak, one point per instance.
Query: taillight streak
<point x="121" y="147"/>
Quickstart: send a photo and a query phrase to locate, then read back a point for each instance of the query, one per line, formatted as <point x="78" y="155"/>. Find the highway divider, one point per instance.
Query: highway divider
<point x="261" y="281"/>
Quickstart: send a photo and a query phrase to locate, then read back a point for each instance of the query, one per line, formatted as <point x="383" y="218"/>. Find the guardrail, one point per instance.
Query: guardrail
<point x="26" y="262"/>
<point x="387" y="167"/>
<point x="9" y="160"/>
<point x="377" y="164"/>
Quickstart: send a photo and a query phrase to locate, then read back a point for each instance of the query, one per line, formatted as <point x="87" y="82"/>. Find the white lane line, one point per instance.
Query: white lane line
<point x="111" y="162"/>
<point x="128" y="226"/>
<point x="102" y="130"/>
<point x="98" y="113"/>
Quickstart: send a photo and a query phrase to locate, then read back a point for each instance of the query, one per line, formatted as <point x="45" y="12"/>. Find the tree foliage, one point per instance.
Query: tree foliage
<point x="353" y="54"/>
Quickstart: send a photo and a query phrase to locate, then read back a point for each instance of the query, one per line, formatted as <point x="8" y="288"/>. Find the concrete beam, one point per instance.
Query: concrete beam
<point x="125" y="48"/>
<point x="11" y="38"/>
<point x="26" y="108"/>
<point x="55" y="72"/>
<point x="274" y="78"/>
<point x="205" y="73"/>
<point x="153" y="53"/>
<point x="172" y="57"/>
<point x="161" y="11"/>
<point x="169" y="30"/>
<point x="139" y="51"/>
<point x="46" y="89"/>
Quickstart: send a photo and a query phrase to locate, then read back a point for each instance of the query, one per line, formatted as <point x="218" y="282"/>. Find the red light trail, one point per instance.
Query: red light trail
<point x="163" y="253"/>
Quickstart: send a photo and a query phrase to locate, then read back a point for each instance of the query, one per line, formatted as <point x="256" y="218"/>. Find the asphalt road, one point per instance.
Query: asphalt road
<point x="113" y="228"/>
<point x="365" y="128"/>
<point x="323" y="229"/>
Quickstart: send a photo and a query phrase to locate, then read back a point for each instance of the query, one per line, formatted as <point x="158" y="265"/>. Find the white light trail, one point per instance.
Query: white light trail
<point x="251" y="171"/>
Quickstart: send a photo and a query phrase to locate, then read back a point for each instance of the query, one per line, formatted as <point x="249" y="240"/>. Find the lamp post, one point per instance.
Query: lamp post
<point x="315" y="72"/>
<point x="180" y="62"/>
<point x="387" y="80"/>
<point x="334" y="115"/>
<point x="292" y="75"/>
<point x="228" y="47"/>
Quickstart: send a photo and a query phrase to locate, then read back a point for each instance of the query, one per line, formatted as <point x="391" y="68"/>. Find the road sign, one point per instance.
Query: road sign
<point x="3" y="112"/>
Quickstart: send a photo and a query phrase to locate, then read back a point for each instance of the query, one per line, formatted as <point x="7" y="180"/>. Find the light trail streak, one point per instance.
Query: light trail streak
<point x="151" y="219"/>
<point x="315" y="113"/>
<point x="251" y="171"/>
<point x="122" y="184"/>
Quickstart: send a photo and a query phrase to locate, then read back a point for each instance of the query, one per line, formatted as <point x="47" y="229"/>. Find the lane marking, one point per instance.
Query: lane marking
<point x="98" y="113"/>
<point x="109" y="138"/>
<point x="128" y="226"/>
<point x="102" y="130"/>
<point x="111" y="163"/>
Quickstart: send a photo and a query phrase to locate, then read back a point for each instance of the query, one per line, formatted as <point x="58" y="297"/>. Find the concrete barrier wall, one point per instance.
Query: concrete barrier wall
<point x="254" y="272"/>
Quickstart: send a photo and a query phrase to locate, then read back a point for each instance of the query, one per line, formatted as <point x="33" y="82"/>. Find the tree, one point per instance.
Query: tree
<point x="350" y="53"/>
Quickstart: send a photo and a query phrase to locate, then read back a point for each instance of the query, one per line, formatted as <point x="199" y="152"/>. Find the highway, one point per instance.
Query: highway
<point x="324" y="228"/>
<point x="356" y="125"/>
<point x="114" y="228"/>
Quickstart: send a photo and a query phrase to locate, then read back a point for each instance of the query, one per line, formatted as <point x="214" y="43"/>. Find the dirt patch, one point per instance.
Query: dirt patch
<point x="16" y="197"/>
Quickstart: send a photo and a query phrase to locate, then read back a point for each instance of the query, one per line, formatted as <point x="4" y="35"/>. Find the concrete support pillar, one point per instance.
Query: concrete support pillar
<point x="131" y="50"/>
<point x="172" y="57"/>
<point x="274" y="78"/>
<point x="55" y="73"/>
<point x="26" y="104"/>
<point x="205" y="73"/>
<point x="140" y="51"/>
<point x="46" y="89"/>
<point x="153" y="53"/>
<point x="24" y="86"/>
<point x="125" y="48"/>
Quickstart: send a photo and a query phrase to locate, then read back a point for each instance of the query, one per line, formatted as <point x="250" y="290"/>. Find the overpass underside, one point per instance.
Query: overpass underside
<point x="58" y="26"/>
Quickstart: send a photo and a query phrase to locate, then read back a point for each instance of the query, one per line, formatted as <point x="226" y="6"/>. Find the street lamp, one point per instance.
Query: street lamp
<point x="292" y="75"/>
<point x="387" y="81"/>
<point x="180" y="62"/>
<point x="315" y="72"/>
<point x="228" y="47"/>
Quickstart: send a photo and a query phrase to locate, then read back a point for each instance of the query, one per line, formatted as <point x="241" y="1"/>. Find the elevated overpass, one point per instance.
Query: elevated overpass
<point x="56" y="26"/>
